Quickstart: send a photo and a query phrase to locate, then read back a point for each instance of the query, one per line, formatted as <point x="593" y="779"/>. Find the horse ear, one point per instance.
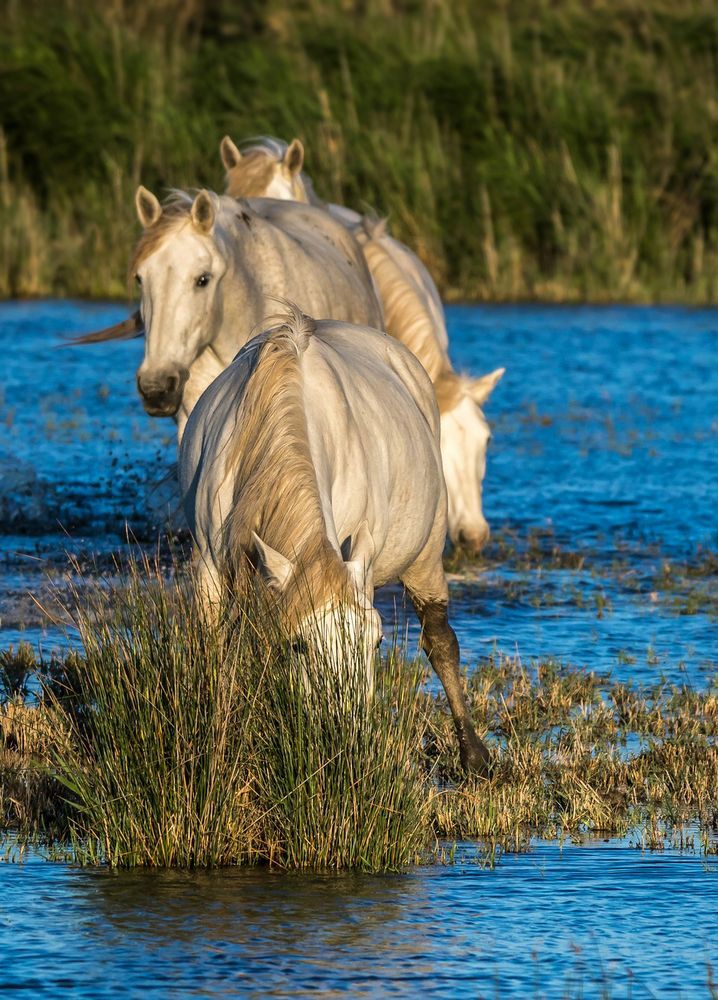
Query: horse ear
<point x="362" y="548"/>
<point x="148" y="207"/>
<point x="481" y="388"/>
<point x="229" y="152"/>
<point x="272" y="565"/>
<point x="293" y="159"/>
<point x="203" y="212"/>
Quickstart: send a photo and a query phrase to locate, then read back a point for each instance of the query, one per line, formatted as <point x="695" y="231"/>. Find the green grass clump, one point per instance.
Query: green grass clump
<point x="340" y="772"/>
<point x="192" y="744"/>
<point x="552" y="151"/>
<point x="158" y="760"/>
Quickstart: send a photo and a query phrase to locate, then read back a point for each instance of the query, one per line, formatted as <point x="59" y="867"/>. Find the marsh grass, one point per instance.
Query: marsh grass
<point x="341" y="766"/>
<point x="547" y="151"/>
<point x="574" y="754"/>
<point x="168" y="743"/>
<point x="158" y="765"/>
<point x="196" y="745"/>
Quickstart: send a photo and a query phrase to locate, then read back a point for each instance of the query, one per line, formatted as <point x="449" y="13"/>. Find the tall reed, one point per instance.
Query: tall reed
<point x="546" y="151"/>
<point x="194" y="744"/>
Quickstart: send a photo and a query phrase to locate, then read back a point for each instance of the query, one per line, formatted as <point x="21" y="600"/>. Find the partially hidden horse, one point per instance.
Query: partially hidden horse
<point x="210" y="269"/>
<point x="315" y="456"/>
<point x="413" y="314"/>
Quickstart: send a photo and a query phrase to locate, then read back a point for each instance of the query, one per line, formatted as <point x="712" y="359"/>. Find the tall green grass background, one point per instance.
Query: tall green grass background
<point x="528" y="150"/>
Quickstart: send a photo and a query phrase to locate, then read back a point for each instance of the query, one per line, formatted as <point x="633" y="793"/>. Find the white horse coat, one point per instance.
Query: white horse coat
<point x="211" y="269"/>
<point x="317" y="454"/>
<point x="413" y="314"/>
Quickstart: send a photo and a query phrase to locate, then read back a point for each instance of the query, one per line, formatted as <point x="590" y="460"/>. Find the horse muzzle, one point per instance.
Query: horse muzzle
<point x="472" y="540"/>
<point x="161" y="392"/>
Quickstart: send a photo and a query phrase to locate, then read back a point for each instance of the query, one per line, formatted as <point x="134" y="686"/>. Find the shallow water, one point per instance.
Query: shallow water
<point x="602" y="471"/>
<point x="605" y="441"/>
<point x="600" y="919"/>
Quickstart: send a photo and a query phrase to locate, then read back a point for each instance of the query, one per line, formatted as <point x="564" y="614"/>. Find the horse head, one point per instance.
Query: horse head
<point x="341" y="627"/>
<point x="269" y="169"/>
<point x="465" y="436"/>
<point x="178" y="264"/>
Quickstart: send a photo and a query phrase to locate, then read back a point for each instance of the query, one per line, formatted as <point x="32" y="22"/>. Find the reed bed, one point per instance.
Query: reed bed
<point x="526" y="150"/>
<point x="166" y="744"/>
<point x="175" y="742"/>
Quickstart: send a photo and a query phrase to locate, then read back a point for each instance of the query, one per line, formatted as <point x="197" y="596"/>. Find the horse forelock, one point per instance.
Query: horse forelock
<point x="251" y="177"/>
<point x="275" y="490"/>
<point x="176" y="209"/>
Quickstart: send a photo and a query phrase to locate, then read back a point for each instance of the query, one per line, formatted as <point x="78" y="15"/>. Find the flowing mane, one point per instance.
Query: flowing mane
<point x="275" y="485"/>
<point x="408" y="313"/>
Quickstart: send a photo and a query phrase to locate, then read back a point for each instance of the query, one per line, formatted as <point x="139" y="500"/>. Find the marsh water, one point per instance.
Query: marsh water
<point x="600" y="493"/>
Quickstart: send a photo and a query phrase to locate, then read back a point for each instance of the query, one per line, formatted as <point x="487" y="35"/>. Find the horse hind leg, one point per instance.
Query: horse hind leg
<point x="439" y="642"/>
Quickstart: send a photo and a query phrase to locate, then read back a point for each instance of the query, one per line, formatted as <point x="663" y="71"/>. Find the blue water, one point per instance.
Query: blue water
<point x="606" y="442"/>
<point x="605" y="435"/>
<point x="601" y="919"/>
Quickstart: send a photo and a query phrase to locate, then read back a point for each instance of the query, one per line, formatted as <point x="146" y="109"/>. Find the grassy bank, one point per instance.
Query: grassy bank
<point x="168" y="744"/>
<point x="527" y="150"/>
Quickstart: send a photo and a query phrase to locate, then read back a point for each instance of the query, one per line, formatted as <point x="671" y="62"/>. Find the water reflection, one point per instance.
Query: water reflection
<point x="550" y="923"/>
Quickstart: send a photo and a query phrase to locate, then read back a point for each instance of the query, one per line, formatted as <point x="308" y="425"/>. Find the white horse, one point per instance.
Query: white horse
<point x="413" y="314"/>
<point x="316" y="455"/>
<point x="210" y="269"/>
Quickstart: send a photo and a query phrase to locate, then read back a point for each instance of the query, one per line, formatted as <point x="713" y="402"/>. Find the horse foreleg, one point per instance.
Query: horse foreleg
<point x="209" y="588"/>
<point x="441" y="646"/>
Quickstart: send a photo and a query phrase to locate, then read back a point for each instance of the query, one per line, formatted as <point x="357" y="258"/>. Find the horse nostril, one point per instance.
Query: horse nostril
<point x="159" y="385"/>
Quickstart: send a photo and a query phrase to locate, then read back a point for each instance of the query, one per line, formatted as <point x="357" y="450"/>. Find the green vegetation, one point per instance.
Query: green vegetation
<point x="168" y="743"/>
<point x="555" y="151"/>
<point x="175" y="743"/>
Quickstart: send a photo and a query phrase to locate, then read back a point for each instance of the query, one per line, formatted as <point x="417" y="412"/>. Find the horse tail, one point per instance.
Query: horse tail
<point x="291" y="325"/>
<point x="126" y="330"/>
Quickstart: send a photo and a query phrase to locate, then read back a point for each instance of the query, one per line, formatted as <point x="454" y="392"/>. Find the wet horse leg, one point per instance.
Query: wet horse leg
<point x="441" y="646"/>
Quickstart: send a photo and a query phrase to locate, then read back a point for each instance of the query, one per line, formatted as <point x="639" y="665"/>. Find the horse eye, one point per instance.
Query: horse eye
<point x="379" y="642"/>
<point x="299" y="647"/>
<point x="138" y="280"/>
<point x="204" y="279"/>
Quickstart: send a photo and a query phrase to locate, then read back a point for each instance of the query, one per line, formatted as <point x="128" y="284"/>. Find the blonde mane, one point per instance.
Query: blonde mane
<point x="275" y="485"/>
<point x="405" y="313"/>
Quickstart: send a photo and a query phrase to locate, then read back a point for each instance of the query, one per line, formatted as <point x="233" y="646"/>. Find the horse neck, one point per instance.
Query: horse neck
<point x="248" y="238"/>
<point x="407" y="314"/>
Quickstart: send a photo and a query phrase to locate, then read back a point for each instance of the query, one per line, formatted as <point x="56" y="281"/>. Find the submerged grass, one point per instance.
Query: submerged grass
<point x="555" y="151"/>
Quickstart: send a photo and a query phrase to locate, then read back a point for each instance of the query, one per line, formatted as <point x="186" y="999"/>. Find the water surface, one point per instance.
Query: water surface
<point x="601" y="474"/>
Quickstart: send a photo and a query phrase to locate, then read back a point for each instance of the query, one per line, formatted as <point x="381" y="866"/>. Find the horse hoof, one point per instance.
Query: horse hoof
<point x="475" y="761"/>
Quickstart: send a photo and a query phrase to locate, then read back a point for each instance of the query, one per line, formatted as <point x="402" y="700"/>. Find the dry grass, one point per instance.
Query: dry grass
<point x="574" y="753"/>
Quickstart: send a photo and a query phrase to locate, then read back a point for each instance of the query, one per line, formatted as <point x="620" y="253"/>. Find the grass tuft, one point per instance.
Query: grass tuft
<point x="195" y="745"/>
